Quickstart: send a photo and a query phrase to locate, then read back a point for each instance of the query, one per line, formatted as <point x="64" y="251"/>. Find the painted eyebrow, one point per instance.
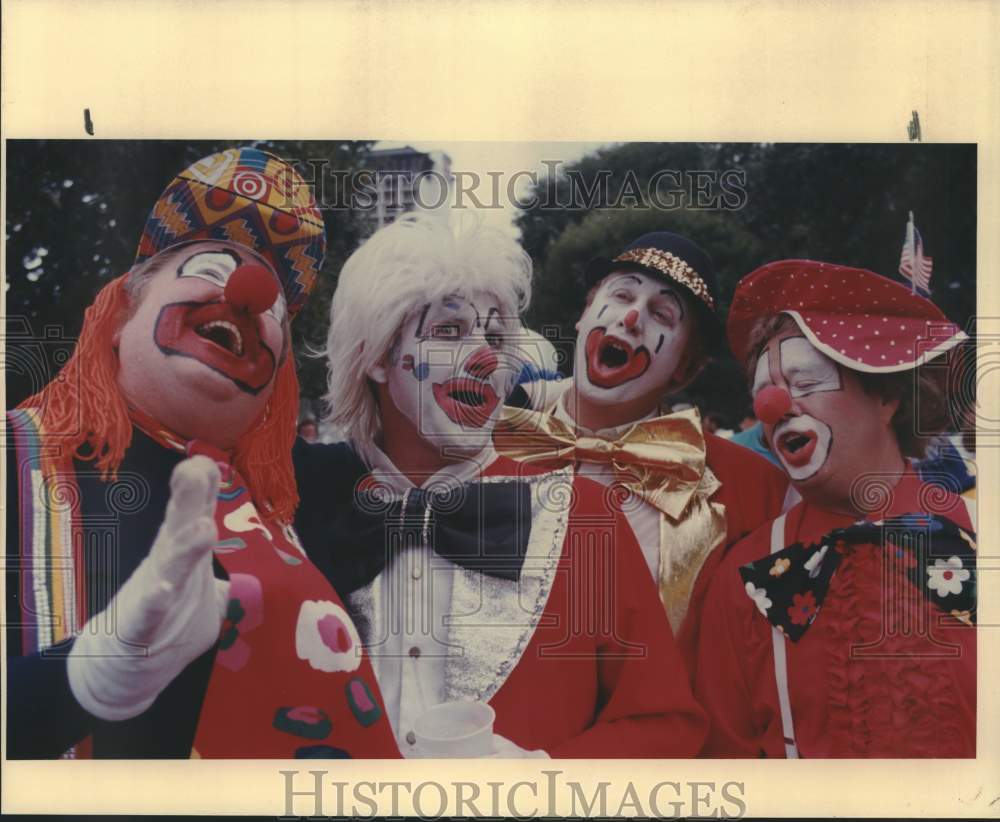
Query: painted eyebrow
<point x="626" y="277"/>
<point x="799" y="369"/>
<point x="669" y="292"/>
<point x="493" y="312"/>
<point x="227" y="251"/>
<point x="423" y="316"/>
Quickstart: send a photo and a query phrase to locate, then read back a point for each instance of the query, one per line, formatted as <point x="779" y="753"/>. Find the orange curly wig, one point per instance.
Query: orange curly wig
<point x="84" y="409"/>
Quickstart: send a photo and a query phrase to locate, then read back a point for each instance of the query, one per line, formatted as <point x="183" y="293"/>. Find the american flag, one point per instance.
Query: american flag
<point x="913" y="263"/>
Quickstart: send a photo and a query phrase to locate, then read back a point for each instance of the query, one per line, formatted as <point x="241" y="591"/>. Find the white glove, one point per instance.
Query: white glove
<point x="165" y="615"/>
<point x="503" y="748"/>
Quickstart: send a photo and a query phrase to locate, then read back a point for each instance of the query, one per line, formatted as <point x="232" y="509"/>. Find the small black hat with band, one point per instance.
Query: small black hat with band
<point x="675" y="259"/>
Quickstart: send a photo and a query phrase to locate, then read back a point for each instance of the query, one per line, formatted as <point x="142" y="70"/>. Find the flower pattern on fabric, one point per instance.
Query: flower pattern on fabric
<point x="362" y="702"/>
<point x="226" y="546"/>
<point x="244" y="612"/>
<point x="326" y="637"/>
<point x="803" y="608"/>
<point x="759" y="597"/>
<point x="797" y="592"/>
<point x="962" y="616"/>
<point x="814" y="564"/>
<point x="230" y="630"/>
<point x="244" y="519"/>
<point x="780" y="566"/>
<point x="947" y="576"/>
<point x="305" y="720"/>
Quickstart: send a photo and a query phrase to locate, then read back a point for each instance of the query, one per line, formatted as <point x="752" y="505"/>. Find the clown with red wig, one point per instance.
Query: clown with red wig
<point x="165" y="607"/>
<point x="844" y="627"/>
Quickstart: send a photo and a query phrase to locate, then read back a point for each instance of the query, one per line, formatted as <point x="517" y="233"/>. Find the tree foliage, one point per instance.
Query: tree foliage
<point x="845" y="204"/>
<point x="75" y="212"/>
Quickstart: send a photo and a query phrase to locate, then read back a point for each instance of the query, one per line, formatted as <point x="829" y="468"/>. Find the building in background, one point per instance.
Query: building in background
<point x="407" y="179"/>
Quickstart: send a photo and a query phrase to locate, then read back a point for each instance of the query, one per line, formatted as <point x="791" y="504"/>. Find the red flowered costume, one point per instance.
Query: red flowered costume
<point x="860" y="686"/>
<point x="290" y="679"/>
<point x="881" y="664"/>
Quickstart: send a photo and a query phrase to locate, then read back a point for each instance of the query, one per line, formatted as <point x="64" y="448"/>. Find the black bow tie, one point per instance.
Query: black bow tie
<point x="480" y="526"/>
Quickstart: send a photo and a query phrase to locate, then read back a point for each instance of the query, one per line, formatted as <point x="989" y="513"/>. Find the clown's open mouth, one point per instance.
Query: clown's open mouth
<point x="220" y="337"/>
<point x="797" y="447"/>
<point x="466" y="401"/>
<point x="224" y="334"/>
<point x="611" y="361"/>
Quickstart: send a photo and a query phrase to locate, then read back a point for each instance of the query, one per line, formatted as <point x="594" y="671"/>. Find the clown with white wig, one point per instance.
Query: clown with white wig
<point x="470" y="580"/>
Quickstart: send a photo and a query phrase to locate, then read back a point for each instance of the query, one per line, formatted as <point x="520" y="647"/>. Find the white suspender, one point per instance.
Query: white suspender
<point x="780" y="662"/>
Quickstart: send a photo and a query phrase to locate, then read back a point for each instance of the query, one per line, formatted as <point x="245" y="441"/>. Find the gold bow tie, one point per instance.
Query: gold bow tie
<point x="662" y="461"/>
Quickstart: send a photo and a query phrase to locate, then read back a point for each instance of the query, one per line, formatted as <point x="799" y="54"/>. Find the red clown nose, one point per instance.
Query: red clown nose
<point x="252" y="287"/>
<point x="771" y="404"/>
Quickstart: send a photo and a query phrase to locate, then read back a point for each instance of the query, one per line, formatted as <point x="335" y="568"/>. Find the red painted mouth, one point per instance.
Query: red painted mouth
<point x="612" y="361"/>
<point x="220" y="337"/>
<point x="466" y="401"/>
<point x="797" y="447"/>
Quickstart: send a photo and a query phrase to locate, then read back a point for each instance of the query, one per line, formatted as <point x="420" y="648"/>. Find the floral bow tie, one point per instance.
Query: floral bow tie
<point x="789" y="586"/>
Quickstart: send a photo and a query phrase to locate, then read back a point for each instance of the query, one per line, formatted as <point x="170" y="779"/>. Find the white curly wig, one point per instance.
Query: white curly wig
<point x="419" y="258"/>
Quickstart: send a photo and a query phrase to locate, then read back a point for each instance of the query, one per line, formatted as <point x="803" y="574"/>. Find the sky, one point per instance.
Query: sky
<point x="500" y="167"/>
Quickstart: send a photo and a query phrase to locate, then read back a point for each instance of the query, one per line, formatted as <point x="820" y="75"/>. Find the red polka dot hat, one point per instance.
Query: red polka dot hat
<point x="859" y="319"/>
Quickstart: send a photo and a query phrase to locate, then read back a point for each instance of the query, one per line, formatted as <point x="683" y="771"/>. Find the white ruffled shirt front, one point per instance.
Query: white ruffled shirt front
<point x="410" y="660"/>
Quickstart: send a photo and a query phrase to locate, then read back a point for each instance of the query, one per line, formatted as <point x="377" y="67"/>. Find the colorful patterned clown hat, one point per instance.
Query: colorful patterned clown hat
<point x="248" y="197"/>
<point x="861" y="320"/>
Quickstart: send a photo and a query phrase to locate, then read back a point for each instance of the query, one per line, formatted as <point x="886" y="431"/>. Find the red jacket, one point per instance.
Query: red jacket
<point x="753" y="491"/>
<point x="599" y="677"/>
<point x="860" y="685"/>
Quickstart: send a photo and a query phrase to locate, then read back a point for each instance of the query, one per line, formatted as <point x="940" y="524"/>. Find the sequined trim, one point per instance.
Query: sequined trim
<point x="492" y="620"/>
<point x="671" y="266"/>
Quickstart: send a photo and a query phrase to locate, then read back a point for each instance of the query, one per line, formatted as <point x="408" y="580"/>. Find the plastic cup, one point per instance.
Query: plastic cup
<point x="455" y="730"/>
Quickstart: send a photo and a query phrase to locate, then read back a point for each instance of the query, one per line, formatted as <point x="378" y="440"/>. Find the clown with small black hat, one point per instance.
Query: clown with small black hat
<point x="165" y="607"/>
<point x="843" y="628"/>
<point x="648" y="327"/>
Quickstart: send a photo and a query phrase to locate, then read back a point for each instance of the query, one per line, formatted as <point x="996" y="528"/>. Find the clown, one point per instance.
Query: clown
<point x="471" y="579"/>
<point x="163" y="597"/>
<point x="843" y="627"/>
<point x="646" y="330"/>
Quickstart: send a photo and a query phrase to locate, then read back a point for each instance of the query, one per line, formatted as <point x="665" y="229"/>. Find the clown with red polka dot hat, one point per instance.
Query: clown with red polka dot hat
<point x="807" y="647"/>
<point x="167" y="608"/>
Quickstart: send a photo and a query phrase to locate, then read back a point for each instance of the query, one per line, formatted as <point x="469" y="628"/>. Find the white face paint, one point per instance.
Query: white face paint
<point x="451" y="369"/>
<point x="801" y="442"/>
<point x="805" y="369"/>
<point x="630" y="339"/>
<point x="194" y="361"/>
<point x="834" y="431"/>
